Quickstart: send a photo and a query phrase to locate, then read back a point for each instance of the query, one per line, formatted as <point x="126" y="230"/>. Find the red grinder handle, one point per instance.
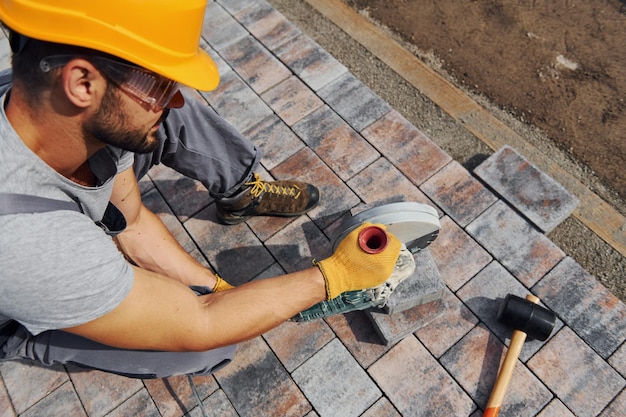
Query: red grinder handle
<point x="373" y="239"/>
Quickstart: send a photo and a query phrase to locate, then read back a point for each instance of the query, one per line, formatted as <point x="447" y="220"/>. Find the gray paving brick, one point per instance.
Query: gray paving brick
<point x="275" y="139"/>
<point x="212" y="238"/>
<point x="220" y="29"/>
<point x="616" y="407"/>
<point x="292" y="100"/>
<point x="339" y="146"/>
<point x="555" y="409"/>
<point x="216" y="405"/>
<point x="406" y="147"/>
<point x="423" y="286"/>
<point x="457" y="255"/>
<point x="448" y="328"/>
<point x="618" y="360"/>
<point x="484" y="295"/>
<point x="237" y="103"/>
<point x="458" y="193"/>
<point x="140" y="404"/>
<point x="356" y="332"/>
<point x="6" y="408"/>
<point x="382" y="408"/>
<point x="316" y="67"/>
<point x="234" y="6"/>
<point x="394" y="327"/>
<point x="24" y="395"/>
<point x="541" y="199"/>
<point x="101" y="392"/>
<point x="5" y="53"/>
<point x="354" y="101"/>
<point x="61" y="402"/>
<point x="257" y="384"/>
<point x="293" y="343"/>
<point x="255" y="65"/>
<point x="174" y="397"/>
<point x="417" y="385"/>
<point x="267" y="24"/>
<point x="518" y="246"/>
<point x="474" y="363"/>
<point x="590" y="309"/>
<point x="573" y="371"/>
<point x="335" y="384"/>
<point x="381" y="183"/>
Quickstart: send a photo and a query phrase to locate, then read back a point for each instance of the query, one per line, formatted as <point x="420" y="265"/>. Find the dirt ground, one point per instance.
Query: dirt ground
<point x="555" y="72"/>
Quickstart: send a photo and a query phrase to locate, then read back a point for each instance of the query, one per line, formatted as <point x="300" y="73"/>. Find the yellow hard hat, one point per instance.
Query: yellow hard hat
<point x="160" y="35"/>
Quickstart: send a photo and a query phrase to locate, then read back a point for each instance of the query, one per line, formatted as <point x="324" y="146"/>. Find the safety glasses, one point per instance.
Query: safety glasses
<point x="148" y="87"/>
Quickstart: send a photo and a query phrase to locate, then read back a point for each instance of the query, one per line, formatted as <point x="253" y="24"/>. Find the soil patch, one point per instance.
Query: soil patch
<point x="559" y="66"/>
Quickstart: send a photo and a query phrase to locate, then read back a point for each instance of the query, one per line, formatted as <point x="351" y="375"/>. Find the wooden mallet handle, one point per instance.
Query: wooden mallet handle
<point x="506" y="370"/>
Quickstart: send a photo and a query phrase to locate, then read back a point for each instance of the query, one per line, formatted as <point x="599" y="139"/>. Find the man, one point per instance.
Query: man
<point x="95" y="100"/>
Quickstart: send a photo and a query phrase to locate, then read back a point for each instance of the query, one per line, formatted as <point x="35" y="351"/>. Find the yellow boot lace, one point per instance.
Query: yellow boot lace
<point x="259" y="187"/>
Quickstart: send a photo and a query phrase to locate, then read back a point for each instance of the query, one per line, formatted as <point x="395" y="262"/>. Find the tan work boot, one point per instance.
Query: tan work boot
<point x="263" y="198"/>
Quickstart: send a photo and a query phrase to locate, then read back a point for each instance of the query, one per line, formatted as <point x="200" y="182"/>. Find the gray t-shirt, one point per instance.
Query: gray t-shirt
<point x="57" y="269"/>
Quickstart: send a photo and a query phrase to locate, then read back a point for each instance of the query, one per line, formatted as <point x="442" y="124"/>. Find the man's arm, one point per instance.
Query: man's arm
<point x="148" y="243"/>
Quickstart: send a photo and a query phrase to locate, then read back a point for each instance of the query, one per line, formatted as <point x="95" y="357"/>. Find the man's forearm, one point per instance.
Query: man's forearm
<point x="150" y="245"/>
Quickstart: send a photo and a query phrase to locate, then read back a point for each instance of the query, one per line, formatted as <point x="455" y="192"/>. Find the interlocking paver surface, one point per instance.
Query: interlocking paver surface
<point x="317" y="122"/>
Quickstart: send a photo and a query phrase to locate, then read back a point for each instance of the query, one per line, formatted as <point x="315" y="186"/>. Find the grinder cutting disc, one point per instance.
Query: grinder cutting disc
<point x="414" y="224"/>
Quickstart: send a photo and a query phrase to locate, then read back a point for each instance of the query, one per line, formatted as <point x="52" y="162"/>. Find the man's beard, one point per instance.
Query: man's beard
<point x="108" y="125"/>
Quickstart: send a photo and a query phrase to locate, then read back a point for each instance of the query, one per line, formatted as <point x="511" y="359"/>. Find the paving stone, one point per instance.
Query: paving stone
<point x="423" y="286"/>
<point x="335" y="196"/>
<point x="617" y="406"/>
<point x="518" y="246"/>
<point x="474" y="363"/>
<point x="458" y="193"/>
<point x="292" y="100"/>
<point x="316" y="67"/>
<point x="101" y="392"/>
<point x="356" y="332"/>
<point x="457" y="255"/>
<point x="335" y="384"/>
<point x="216" y="405"/>
<point x="588" y="307"/>
<point x="234" y="6"/>
<point x="61" y="402"/>
<point x="448" y="328"/>
<point x="267" y="24"/>
<point x="484" y="295"/>
<point x="222" y="66"/>
<point x="254" y="64"/>
<point x="573" y="371"/>
<point x="296" y="245"/>
<point x="382" y="408"/>
<point x="24" y="395"/>
<point x="541" y="199"/>
<point x="339" y="146"/>
<point x="555" y="409"/>
<point x="220" y="29"/>
<point x="139" y="404"/>
<point x="237" y="103"/>
<point x="417" y="385"/>
<point x="5" y="53"/>
<point x="226" y="246"/>
<point x="382" y="183"/>
<point x="275" y="139"/>
<point x="293" y="343"/>
<point x="618" y="360"/>
<point x="6" y="408"/>
<point x="174" y="397"/>
<point x="257" y="384"/>
<point x="354" y="101"/>
<point x="392" y="328"/>
<point x="184" y="196"/>
<point x="406" y="147"/>
<point x="145" y="184"/>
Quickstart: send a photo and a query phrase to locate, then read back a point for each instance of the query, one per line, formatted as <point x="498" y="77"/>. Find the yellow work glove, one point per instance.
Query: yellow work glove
<point x="351" y="268"/>
<point x="221" y="285"/>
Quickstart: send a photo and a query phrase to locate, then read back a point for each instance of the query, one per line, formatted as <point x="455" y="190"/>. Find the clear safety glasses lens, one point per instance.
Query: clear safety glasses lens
<point x="154" y="90"/>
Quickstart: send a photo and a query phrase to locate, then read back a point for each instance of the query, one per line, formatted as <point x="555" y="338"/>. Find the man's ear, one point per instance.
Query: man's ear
<point x="82" y="83"/>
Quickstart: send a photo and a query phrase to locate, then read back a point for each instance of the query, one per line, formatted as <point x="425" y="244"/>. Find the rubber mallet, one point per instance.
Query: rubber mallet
<point x="527" y="318"/>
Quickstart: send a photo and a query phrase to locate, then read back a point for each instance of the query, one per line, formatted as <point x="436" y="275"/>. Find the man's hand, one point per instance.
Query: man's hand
<point x="351" y="268"/>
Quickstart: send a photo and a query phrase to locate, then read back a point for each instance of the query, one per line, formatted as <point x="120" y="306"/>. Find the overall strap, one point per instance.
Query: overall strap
<point x="24" y="203"/>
